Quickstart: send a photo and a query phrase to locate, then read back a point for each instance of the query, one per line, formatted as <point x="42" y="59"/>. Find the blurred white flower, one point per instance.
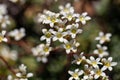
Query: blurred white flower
<point x="2" y="38"/>
<point x="79" y="59"/>
<point x="102" y="38"/>
<point x="94" y="62"/>
<point x="48" y="17"/>
<point x="82" y="18"/>
<point x="75" y="74"/>
<point x="67" y="9"/>
<point x="47" y="35"/>
<point x="108" y="64"/>
<point x="59" y="35"/>
<point x="73" y="30"/>
<point x="71" y="46"/>
<point x="17" y="34"/>
<point x="22" y="74"/>
<point x="41" y="52"/>
<point x="4" y="21"/>
<point x="3" y="9"/>
<point x="8" y="54"/>
<point x="101" y="51"/>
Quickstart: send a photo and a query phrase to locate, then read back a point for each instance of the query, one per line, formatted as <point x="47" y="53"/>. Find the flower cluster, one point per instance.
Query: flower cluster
<point x="22" y="74"/>
<point x="4" y="18"/>
<point x="94" y="67"/>
<point x="63" y="26"/>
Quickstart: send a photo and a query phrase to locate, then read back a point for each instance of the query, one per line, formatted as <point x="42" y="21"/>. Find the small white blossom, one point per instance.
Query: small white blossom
<point x="17" y="34"/>
<point x="79" y="59"/>
<point x="41" y="52"/>
<point x="4" y="21"/>
<point x="98" y="73"/>
<point x="94" y="62"/>
<point x="75" y="75"/>
<point x="47" y="35"/>
<point x="49" y="18"/>
<point x="71" y="46"/>
<point x="68" y="16"/>
<point x="22" y="74"/>
<point x="102" y="38"/>
<point x="82" y="18"/>
<point x="88" y="72"/>
<point x="108" y="64"/>
<point x="2" y="38"/>
<point x="101" y="51"/>
<point x="73" y="30"/>
<point x="67" y="9"/>
<point x="59" y="35"/>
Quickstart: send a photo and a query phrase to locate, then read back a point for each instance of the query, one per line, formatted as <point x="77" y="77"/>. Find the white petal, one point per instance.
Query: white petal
<point x="29" y="75"/>
<point x="19" y="75"/>
<point x="113" y="63"/>
<point x="110" y="59"/>
<point x="42" y="38"/>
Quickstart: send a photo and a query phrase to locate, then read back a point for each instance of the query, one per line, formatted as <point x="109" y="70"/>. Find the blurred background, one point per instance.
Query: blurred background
<point x="105" y="17"/>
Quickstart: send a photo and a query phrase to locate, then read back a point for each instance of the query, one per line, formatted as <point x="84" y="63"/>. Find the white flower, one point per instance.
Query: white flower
<point x="103" y="38"/>
<point x="94" y="62"/>
<point x="98" y="73"/>
<point x="3" y="9"/>
<point x="9" y="77"/>
<point x="41" y="52"/>
<point x="49" y="18"/>
<point x="45" y="49"/>
<point x="17" y="34"/>
<point x="71" y="46"/>
<point x="4" y="21"/>
<point x="73" y="30"/>
<point x="108" y="64"/>
<point x="79" y="59"/>
<point x="68" y="16"/>
<point x="82" y="18"/>
<point x="101" y="51"/>
<point x="8" y="54"/>
<point x="67" y="9"/>
<point x="88" y="72"/>
<point x="2" y="38"/>
<point x="75" y="75"/>
<point x="47" y="35"/>
<point x="23" y="75"/>
<point x="58" y="35"/>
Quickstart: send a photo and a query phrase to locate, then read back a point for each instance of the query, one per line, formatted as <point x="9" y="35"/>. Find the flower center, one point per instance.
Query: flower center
<point x="59" y="35"/>
<point x="68" y="46"/>
<point x="100" y="51"/>
<point x="82" y="18"/>
<point x="46" y="48"/>
<point x="98" y="72"/>
<point x="48" y="34"/>
<point x="107" y="64"/>
<point x="75" y="75"/>
<point x="73" y="30"/>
